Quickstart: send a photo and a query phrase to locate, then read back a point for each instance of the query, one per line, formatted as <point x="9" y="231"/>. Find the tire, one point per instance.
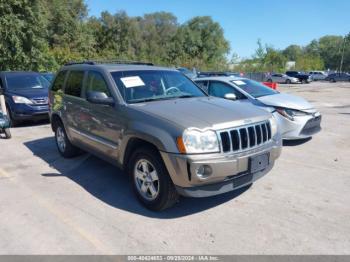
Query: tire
<point x="143" y="162"/>
<point x="64" y="146"/>
<point x="13" y="122"/>
<point x="288" y="81"/>
<point x="332" y="80"/>
<point x="7" y="133"/>
<point x="269" y="80"/>
<point x="304" y="81"/>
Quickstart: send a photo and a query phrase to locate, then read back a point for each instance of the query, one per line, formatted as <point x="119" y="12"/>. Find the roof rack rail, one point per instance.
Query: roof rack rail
<point x="119" y="62"/>
<point x="80" y="63"/>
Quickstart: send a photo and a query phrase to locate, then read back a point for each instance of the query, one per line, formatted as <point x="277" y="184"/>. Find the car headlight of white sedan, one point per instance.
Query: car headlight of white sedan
<point x="196" y="141"/>
<point x="290" y="113"/>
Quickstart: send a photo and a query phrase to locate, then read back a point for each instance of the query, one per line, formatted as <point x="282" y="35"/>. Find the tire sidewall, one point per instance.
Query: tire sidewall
<point x="163" y="176"/>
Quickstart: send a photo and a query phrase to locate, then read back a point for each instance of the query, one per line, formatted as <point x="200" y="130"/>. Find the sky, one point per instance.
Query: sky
<point x="276" y="22"/>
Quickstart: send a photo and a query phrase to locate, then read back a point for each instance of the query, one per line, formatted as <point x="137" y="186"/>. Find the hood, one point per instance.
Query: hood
<point x="286" y="100"/>
<point x="204" y="112"/>
<point x="29" y="92"/>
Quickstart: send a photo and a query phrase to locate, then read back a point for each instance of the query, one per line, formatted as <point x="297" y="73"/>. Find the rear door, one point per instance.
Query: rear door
<point x="72" y="103"/>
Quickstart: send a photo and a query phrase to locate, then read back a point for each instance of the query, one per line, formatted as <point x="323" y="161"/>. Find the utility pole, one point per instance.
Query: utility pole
<point x="342" y="55"/>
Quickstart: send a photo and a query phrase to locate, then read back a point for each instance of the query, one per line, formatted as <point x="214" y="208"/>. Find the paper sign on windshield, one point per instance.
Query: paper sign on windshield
<point x="132" y="81"/>
<point x="239" y="82"/>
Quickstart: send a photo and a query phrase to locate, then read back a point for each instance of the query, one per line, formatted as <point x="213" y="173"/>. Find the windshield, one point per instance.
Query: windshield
<point x="151" y="85"/>
<point x="48" y="76"/>
<point x="26" y="81"/>
<point x="255" y="89"/>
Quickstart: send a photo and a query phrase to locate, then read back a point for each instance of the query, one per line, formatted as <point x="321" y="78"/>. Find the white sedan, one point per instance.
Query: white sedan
<point x="296" y="118"/>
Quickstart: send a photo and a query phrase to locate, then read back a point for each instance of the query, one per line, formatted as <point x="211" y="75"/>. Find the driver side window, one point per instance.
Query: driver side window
<point x="96" y="83"/>
<point x="220" y="89"/>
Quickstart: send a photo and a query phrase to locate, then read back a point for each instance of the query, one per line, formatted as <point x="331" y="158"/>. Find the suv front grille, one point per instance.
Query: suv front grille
<point x="40" y="101"/>
<point x="246" y="137"/>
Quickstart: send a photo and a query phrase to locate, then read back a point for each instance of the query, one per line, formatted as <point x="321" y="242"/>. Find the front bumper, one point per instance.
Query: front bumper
<point x="229" y="171"/>
<point x="24" y="112"/>
<point x="301" y="128"/>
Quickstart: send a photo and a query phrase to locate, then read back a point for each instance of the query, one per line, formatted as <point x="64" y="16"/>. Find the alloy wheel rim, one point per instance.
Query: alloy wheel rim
<point x="60" y="138"/>
<point x="146" y="179"/>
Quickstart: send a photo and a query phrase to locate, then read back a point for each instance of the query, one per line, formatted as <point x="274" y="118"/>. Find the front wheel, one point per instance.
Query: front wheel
<point x="151" y="181"/>
<point x="288" y="81"/>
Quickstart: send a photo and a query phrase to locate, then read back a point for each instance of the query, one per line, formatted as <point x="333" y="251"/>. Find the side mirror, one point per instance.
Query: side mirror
<point x="230" y="96"/>
<point x="99" y="98"/>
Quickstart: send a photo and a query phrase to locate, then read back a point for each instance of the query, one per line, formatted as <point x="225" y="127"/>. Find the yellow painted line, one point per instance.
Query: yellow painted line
<point x="3" y="173"/>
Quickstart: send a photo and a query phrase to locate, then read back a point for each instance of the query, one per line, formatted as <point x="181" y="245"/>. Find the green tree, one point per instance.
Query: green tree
<point x="292" y="52"/>
<point x="203" y="43"/>
<point x="274" y="60"/>
<point x="67" y="27"/>
<point x="22" y="31"/>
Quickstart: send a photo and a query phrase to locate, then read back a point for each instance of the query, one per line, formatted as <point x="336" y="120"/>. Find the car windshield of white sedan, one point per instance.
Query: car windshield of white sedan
<point x="151" y="85"/>
<point x="255" y="89"/>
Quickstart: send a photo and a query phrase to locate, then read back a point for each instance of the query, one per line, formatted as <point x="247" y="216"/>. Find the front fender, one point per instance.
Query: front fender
<point x="164" y="140"/>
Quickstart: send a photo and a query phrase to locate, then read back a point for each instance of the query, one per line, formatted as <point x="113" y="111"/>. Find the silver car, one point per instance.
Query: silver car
<point x="282" y="79"/>
<point x="296" y="118"/>
<point x="317" y="75"/>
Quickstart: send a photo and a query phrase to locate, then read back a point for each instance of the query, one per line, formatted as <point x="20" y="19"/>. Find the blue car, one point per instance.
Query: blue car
<point x="26" y="95"/>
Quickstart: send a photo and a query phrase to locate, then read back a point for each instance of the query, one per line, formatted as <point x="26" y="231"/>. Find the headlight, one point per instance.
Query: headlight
<point x="290" y="113"/>
<point x="21" y="100"/>
<point x="197" y="141"/>
<point x="273" y="124"/>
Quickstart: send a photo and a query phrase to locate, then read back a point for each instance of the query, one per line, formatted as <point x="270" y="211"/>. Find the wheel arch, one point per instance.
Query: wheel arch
<point x="132" y="144"/>
<point x="55" y="120"/>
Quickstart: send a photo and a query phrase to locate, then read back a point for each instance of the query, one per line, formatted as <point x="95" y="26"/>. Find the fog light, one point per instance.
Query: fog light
<point x="204" y="171"/>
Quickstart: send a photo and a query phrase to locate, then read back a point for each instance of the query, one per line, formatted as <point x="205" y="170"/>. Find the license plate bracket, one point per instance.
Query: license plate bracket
<point x="258" y="163"/>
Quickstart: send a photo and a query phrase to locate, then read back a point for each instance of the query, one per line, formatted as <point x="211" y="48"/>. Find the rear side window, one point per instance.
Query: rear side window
<point x="74" y="83"/>
<point x="59" y="81"/>
<point x="96" y="83"/>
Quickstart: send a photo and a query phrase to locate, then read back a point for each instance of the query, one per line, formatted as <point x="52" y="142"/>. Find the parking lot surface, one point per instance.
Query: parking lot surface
<point x="51" y="205"/>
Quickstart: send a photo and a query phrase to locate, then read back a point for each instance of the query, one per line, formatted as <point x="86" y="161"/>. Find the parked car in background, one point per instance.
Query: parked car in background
<point x="49" y="76"/>
<point x="190" y="74"/>
<point x="207" y="74"/>
<point x="302" y="77"/>
<point x="162" y="129"/>
<point x="26" y="95"/>
<point x="296" y="118"/>
<point x="282" y="79"/>
<point x="335" y="77"/>
<point x="317" y="75"/>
